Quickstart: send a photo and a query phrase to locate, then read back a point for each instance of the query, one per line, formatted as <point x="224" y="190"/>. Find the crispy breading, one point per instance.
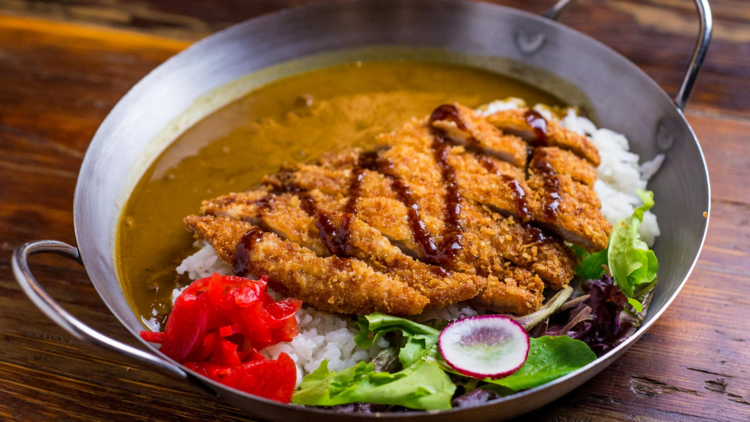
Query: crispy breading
<point x="577" y="220"/>
<point x="420" y="171"/>
<point x="514" y="122"/>
<point x="284" y="215"/>
<point x="468" y="128"/>
<point x="521" y="285"/>
<point x="568" y="208"/>
<point x="504" y="295"/>
<point x="564" y="162"/>
<point x="330" y="284"/>
<point x="524" y="245"/>
<point x="489" y="237"/>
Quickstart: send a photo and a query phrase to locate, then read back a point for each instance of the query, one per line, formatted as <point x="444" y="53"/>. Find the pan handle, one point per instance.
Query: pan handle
<point x="699" y="53"/>
<point x="71" y="324"/>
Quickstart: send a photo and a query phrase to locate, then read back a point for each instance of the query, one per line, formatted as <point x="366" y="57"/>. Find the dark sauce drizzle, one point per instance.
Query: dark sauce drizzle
<point x="551" y="188"/>
<point x="453" y="236"/>
<point x="240" y="266"/>
<point x="450" y="113"/>
<point x="519" y="195"/>
<point x="308" y="203"/>
<point x="263" y="204"/>
<point x="427" y="244"/>
<point x="539" y="124"/>
<point x="337" y="239"/>
<point x="533" y="234"/>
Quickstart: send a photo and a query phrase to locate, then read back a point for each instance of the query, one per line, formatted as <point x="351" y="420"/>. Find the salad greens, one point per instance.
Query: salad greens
<point x="629" y="259"/>
<point x="592" y="265"/>
<point x="420" y="340"/>
<point x="424" y="382"/>
<point x="422" y="385"/>
<point x="553" y="304"/>
<point x="549" y="358"/>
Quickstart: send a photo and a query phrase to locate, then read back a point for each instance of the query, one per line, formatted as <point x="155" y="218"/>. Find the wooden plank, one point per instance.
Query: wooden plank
<point x="59" y="81"/>
<point x="658" y="35"/>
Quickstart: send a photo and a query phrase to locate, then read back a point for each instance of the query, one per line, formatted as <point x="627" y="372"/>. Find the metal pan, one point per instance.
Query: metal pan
<point x="624" y="98"/>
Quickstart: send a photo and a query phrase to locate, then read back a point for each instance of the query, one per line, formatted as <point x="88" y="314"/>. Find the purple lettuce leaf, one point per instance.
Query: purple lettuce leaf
<point x="600" y="317"/>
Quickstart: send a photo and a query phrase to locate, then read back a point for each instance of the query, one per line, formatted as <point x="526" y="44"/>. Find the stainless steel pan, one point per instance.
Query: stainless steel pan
<point x="624" y="98"/>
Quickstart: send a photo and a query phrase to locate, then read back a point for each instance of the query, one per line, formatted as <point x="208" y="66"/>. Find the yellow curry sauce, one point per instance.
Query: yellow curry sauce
<point x="294" y="119"/>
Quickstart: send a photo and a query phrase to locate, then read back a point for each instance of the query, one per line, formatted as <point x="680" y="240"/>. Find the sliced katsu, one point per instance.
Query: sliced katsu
<point x="530" y="125"/>
<point x="330" y="284"/>
<point x="327" y="232"/>
<point x="489" y="236"/>
<point x="412" y="149"/>
<point x="449" y="208"/>
<point x="466" y="127"/>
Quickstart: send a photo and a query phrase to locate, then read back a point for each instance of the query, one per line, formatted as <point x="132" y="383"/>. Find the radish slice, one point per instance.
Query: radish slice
<point x="490" y="346"/>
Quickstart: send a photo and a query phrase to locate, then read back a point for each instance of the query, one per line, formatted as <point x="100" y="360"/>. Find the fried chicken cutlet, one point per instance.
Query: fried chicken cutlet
<point x="330" y="284"/>
<point x="450" y="208"/>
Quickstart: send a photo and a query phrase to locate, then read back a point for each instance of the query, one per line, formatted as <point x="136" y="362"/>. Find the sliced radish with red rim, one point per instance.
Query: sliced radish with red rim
<point x="490" y="346"/>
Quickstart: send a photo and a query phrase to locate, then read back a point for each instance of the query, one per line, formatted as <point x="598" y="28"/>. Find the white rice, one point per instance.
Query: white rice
<point x="331" y="337"/>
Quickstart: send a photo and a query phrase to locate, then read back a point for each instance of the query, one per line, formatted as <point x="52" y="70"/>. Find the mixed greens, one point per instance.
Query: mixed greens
<point x="628" y="258"/>
<point x="421" y="383"/>
<point x="600" y="310"/>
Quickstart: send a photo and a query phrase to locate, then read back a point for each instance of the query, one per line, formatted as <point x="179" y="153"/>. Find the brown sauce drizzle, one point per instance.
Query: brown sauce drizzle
<point x="551" y="183"/>
<point x="552" y="191"/>
<point x="263" y="204"/>
<point x="341" y="264"/>
<point x="519" y="195"/>
<point x="450" y="113"/>
<point x="427" y="244"/>
<point x="539" y="124"/>
<point x="365" y="161"/>
<point x="308" y="203"/>
<point x="240" y="264"/>
<point x="429" y="248"/>
<point x="438" y="271"/>
<point x="333" y="237"/>
<point x="453" y="236"/>
<point x="488" y="164"/>
<point x="533" y="234"/>
<point x="337" y="239"/>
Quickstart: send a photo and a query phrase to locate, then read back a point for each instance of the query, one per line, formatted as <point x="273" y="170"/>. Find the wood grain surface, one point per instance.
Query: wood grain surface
<point x="64" y="64"/>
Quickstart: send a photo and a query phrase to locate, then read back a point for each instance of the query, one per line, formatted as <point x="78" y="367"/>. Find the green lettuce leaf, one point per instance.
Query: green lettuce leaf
<point x="630" y="260"/>
<point x="422" y="386"/>
<point x="590" y="267"/>
<point x="420" y="340"/>
<point x="549" y="358"/>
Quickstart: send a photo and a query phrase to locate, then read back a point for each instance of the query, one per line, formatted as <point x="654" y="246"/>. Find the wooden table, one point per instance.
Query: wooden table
<point x="64" y="64"/>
